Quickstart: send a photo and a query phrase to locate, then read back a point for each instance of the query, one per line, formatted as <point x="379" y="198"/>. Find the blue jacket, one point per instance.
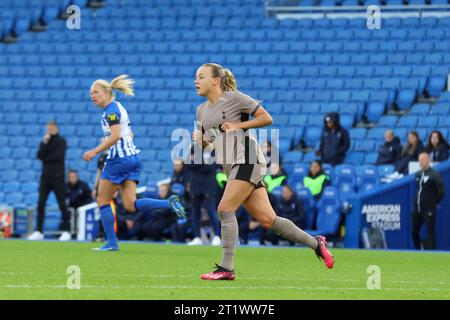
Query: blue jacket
<point x="390" y="152"/>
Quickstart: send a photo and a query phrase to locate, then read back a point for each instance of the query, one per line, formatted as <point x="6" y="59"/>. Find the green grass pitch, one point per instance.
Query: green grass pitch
<point x="38" y="270"/>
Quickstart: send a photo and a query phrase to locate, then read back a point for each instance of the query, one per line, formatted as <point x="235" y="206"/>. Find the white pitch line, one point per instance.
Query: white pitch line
<point x="26" y="286"/>
<point x="246" y="278"/>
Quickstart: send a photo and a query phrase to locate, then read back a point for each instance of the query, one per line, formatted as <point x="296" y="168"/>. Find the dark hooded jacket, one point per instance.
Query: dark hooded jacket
<point x="390" y="152"/>
<point x="334" y="142"/>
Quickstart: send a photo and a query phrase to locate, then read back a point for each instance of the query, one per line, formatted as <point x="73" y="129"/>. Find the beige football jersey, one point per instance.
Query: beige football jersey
<point x="235" y="147"/>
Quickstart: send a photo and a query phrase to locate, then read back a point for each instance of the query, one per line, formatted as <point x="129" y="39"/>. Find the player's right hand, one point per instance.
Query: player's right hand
<point x="197" y="137"/>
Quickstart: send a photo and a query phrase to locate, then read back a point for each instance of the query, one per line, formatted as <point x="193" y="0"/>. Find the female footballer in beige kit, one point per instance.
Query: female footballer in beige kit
<point x="225" y="111"/>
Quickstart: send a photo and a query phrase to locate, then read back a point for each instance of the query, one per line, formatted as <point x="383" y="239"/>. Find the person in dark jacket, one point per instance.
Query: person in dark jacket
<point x="78" y="192"/>
<point x="391" y="149"/>
<point x="153" y="224"/>
<point x="288" y="207"/>
<point x="203" y="189"/>
<point x="179" y="174"/>
<point x="430" y="191"/>
<point x="316" y="180"/>
<point x="437" y="147"/>
<point x="52" y="153"/>
<point x="334" y="142"/>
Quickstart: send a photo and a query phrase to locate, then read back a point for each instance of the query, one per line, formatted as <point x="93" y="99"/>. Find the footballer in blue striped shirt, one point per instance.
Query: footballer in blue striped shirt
<point x="122" y="167"/>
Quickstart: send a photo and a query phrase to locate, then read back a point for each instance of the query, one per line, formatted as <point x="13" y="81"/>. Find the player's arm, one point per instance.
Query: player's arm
<point x="106" y="144"/>
<point x="262" y="118"/>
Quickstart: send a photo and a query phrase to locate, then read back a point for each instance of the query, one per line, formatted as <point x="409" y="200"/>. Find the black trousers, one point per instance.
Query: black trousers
<point x="57" y="185"/>
<point x="418" y="219"/>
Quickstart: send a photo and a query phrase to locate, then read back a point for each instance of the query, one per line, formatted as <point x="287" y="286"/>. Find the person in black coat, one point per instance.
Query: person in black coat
<point x="288" y="207"/>
<point x="437" y="147"/>
<point x="78" y="192"/>
<point x="155" y="224"/>
<point x="390" y="151"/>
<point x="52" y="153"/>
<point x="334" y="142"/>
<point x="430" y="191"/>
<point x="203" y="190"/>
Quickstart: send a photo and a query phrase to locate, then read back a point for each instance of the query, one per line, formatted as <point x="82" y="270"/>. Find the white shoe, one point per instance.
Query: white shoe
<point x="195" y="242"/>
<point x="216" y="241"/>
<point x="65" y="236"/>
<point x="393" y="175"/>
<point x="36" y="236"/>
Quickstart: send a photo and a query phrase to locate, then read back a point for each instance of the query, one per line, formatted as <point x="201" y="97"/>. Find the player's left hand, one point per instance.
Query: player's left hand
<point x="89" y="155"/>
<point x="228" y="126"/>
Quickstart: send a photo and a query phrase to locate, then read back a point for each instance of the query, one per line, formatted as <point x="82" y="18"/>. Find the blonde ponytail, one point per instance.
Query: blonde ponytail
<point x="227" y="80"/>
<point x="123" y="84"/>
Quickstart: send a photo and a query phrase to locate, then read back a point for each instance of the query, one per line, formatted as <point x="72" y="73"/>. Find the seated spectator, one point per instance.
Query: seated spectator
<point x="334" y="142"/>
<point x="276" y="177"/>
<point x="410" y="152"/>
<point x="437" y="147"/>
<point x="316" y="180"/>
<point x="288" y="207"/>
<point x="270" y="153"/>
<point x="154" y="224"/>
<point x="391" y="149"/>
<point x="78" y="192"/>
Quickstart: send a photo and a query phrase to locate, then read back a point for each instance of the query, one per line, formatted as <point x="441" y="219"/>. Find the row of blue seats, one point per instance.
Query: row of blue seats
<point x="87" y="74"/>
<point x="190" y="41"/>
<point x="301" y="59"/>
<point x="260" y="25"/>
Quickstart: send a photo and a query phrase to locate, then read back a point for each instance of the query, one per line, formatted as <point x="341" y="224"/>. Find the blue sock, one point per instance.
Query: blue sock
<point x="107" y="217"/>
<point x="146" y="204"/>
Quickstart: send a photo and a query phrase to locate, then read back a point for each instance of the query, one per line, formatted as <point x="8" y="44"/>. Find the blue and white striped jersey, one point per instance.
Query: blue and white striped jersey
<point x="115" y="113"/>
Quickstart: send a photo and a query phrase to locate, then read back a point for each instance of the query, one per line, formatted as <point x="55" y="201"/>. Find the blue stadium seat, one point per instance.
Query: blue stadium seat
<point x="371" y="158"/>
<point x="385" y="170"/>
<point x="436" y="86"/>
<point x="357" y="133"/>
<point x="292" y="157"/>
<point x="388" y="121"/>
<point x="14" y="199"/>
<point x="11" y="186"/>
<point x="405" y="98"/>
<point x="374" y="111"/>
<point x="420" y="109"/>
<point x="305" y="196"/>
<point x="329" y="213"/>
<point x="428" y="121"/>
<point x="408" y="121"/>
<point x="368" y="179"/>
<point x="442" y="109"/>
<point x="312" y="135"/>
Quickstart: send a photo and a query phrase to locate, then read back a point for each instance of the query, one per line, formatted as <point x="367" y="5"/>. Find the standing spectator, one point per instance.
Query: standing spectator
<point x="287" y="207"/>
<point x="430" y="191"/>
<point x="203" y="189"/>
<point x="437" y="147"/>
<point x="390" y="151"/>
<point x="334" y="142"/>
<point x="409" y="153"/>
<point x="52" y="153"/>
<point x="316" y="180"/>
<point x="180" y="174"/>
<point x="78" y="192"/>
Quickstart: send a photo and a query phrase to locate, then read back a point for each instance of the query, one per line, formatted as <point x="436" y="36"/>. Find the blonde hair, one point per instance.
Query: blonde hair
<point x="121" y="83"/>
<point x="227" y="80"/>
